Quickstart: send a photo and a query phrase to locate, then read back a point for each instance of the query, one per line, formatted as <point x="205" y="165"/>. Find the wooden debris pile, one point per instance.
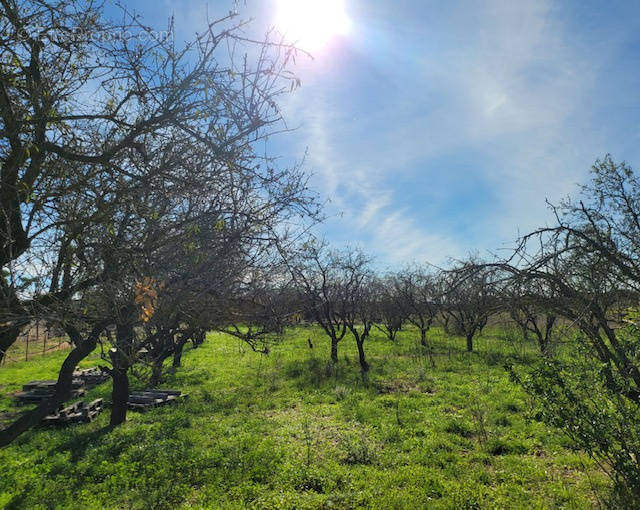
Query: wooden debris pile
<point x="80" y="412"/>
<point x="148" y="399"/>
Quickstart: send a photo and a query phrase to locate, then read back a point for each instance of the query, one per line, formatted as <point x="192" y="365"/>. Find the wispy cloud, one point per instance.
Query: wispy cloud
<point x="479" y="124"/>
<point x="440" y="128"/>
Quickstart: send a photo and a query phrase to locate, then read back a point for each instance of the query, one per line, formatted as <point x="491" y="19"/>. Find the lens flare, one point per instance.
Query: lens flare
<point x="312" y="24"/>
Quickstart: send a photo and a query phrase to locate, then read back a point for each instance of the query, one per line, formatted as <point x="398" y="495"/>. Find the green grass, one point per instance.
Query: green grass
<point x="289" y="430"/>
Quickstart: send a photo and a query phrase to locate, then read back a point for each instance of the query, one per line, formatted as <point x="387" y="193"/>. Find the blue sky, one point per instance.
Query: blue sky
<point x="440" y="128"/>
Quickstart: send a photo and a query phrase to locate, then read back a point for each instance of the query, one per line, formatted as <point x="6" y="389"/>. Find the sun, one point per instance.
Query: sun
<point x="312" y="24"/>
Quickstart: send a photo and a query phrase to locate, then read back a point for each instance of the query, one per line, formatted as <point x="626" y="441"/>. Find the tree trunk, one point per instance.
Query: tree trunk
<point x="445" y="324"/>
<point x="334" y="350"/>
<point x="156" y="372"/>
<point x="425" y="345"/>
<point x="179" y="347"/>
<point x="469" y="342"/>
<point x="119" y="373"/>
<point x="544" y="348"/>
<point x="8" y="338"/>
<point x="177" y="355"/>
<point x="62" y="393"/>
<point x="198" y="337"/>
<point x="119" y="396"/>
<point x="423" y="337"/>
<point x="364" y="366"/>
<point x="11" y="308"/>
<point x="545" y="342"/>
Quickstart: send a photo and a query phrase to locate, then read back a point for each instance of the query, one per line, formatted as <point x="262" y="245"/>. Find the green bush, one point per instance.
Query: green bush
<point x="573" y="395"/>
<point x="358" y="448"/>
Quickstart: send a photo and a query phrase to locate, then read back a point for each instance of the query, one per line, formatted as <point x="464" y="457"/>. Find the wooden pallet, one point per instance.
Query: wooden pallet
<point x="148" y="399"/>
<point x="91" y="377"/>
<point x="80" y="412"/>
<point x="39" y="394"/>
<point x="50" y="385"/>
<point x="36" y="391"/>
<point x="35" y="385"/>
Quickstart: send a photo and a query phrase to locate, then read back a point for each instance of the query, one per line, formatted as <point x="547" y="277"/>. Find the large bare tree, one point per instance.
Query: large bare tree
<point x="316" y="273"/>
<point x="127" y="164"/>
<point x="588" y="264"/>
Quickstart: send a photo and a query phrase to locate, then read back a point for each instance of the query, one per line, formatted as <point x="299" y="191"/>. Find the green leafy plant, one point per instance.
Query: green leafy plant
<point x="595" y="411"/>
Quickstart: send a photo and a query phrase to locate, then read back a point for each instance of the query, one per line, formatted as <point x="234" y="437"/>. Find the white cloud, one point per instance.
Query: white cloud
<point x="398" y="240"/>
<point x="512" y="91"/>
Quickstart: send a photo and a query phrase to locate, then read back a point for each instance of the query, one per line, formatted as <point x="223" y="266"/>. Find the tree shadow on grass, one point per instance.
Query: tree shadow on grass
<point x="78" y="443"/>
<point x="315" y="372"/>
<point x="161" y="423"/>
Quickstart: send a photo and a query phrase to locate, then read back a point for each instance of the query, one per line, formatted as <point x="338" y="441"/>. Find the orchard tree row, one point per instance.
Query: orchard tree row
<point x="139" y="209"/>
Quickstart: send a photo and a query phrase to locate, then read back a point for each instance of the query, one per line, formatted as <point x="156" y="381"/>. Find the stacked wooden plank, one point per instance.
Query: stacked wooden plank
<point x="91" y="377"/>
<point x="80" y="412"/>
<point x="50" y="385"/>
<point x="148" y="399"/>
<point x="35" y="392"/>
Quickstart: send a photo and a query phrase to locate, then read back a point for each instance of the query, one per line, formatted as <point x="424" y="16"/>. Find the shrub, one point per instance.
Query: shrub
<point x="358" y="448"/>
<point x="574" y="396"/>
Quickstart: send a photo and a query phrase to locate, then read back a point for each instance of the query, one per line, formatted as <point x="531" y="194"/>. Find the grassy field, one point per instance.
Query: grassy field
<point x="288" y="430"/>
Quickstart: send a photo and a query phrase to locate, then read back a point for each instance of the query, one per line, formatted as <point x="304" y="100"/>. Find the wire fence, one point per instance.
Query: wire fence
<point x="36" y="341"/>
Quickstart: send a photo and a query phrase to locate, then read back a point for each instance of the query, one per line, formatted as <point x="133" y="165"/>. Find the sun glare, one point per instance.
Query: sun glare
<point x="311" y="24"/>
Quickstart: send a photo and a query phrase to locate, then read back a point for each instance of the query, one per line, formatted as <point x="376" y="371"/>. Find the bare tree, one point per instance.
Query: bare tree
<point x="469" y="301"/>
<point x="525" y="303"/>
<point x="115" y="194"/>
<point x="355" y="279"/>
<point x="261" y="308"/>
<point x="588" y="263"/>
<point x="420" y="297"/>
<point x="590" y="266"/>
<point x="81" y="104"/>
<point x="390" y="313"/>
<point x="316" y="273"/>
